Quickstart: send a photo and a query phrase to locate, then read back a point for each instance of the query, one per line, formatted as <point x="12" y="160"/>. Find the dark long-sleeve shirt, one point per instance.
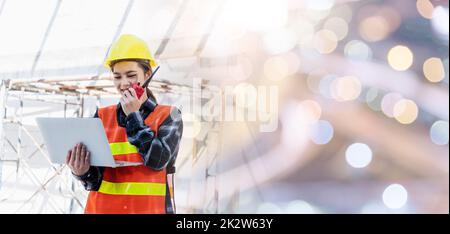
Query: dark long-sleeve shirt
<point x="158" y="152"/>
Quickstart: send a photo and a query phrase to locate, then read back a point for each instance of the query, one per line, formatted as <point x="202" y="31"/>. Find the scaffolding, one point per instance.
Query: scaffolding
<point x="59" y="173"/>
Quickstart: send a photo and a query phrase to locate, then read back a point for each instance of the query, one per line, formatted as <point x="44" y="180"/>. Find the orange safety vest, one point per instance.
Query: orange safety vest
<point x="131" y="189"/>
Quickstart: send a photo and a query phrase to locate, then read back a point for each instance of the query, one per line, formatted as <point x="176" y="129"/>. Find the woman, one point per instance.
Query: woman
<point x="139" y="131"/>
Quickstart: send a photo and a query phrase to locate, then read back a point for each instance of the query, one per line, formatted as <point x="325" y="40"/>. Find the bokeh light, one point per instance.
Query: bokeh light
<point x="374" y="28"/>
<point x="346" y="88"/>
<point x="300" y="207"/>
<point x="278" y="67"/>
<point x="400" y="58"/>
<point x="322" y="132"/>
<point x="440" y="22"/>
<point x="439" y="132"/>
<point x="373" y="98"/>
<point x="358" y="155"/>
<point x="269" y="208"/>
<point x="433" y="69"/>
<point x="325" y="41"/>
<point x="425" y="8"/>
<point x="395" y="196"/>
<point x="357" y="50"/>
<point x="405" y="111"/>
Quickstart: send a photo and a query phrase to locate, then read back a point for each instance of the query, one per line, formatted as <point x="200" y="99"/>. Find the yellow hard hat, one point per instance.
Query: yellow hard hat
<point x="129" y="47"/>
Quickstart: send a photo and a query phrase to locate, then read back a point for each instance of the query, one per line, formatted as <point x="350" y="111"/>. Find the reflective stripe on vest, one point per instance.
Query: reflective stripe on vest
<point x="118" y="148"/>
<point x="152" y="189"/>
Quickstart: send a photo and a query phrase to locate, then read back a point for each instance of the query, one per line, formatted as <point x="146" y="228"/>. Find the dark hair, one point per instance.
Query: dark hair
<point x="144" y="65"/>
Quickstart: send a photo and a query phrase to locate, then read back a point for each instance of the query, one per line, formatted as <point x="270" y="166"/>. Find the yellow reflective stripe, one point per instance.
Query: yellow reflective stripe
<point x="122" y="148"/>
<point x="155" y="189"/>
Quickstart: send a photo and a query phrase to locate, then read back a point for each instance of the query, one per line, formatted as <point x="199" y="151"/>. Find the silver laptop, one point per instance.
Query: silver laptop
<point x="61" y="134"/>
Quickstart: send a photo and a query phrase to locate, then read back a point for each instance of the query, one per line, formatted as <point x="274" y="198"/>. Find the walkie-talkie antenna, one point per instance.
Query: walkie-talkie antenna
<point x="145" y="84"/>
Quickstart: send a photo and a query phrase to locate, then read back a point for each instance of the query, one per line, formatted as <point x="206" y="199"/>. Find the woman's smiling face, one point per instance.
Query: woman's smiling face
<point x="126" y="73"/>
